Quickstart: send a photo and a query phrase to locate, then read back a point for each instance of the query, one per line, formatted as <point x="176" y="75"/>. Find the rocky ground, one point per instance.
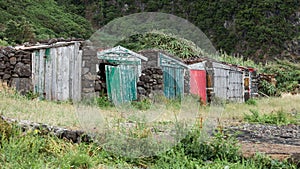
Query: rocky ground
<point x="279" y="142"/>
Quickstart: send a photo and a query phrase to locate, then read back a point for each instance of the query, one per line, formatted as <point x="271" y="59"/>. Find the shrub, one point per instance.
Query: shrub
<point x="219" y="147"/>
<point x="268" y="88"/>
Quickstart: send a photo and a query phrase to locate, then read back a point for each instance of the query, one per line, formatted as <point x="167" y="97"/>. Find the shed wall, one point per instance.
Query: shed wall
<point x="56" y="72"/>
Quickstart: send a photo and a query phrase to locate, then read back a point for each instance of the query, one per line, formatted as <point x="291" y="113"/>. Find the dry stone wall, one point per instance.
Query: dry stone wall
<point x="150" y="82"/>
<point x="76" y="136"/>
<point x="89" y="72"/>
<point x="15" y="68"/>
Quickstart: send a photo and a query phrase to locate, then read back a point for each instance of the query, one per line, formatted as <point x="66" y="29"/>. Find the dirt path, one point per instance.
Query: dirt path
<point x="279" y="142"/>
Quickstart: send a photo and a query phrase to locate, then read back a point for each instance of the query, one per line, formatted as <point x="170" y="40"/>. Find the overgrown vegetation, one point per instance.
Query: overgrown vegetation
<point x="253" y="29"/>
<point x="31" y="20"/>
<point x="179" y="47"/>
<point x="279" y="118"/>
<point x="287" y="75"/>
<point x="32" y="150"/>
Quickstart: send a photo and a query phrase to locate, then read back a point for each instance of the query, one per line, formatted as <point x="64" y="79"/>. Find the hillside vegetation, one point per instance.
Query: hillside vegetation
<point x="31" y="20"/>
<point x="260" y="30"/>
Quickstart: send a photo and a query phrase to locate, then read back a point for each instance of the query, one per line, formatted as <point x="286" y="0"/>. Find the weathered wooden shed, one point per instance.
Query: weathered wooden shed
<point x="122" y="69"/>
<point x="56" y="70"/>
<point x="224" y="82"/>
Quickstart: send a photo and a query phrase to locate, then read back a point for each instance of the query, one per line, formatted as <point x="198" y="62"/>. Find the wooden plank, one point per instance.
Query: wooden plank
<point x="59" y="74"/>
<point x="56" y="45"/>
<point x="113" y="81"/>
<point x="171" y="62"/>
<point x="198" y="83"/>
<point x="65" y="71"/>
<point x="71" y="71"/>
<point x="77" y="75"/>
<point x="128" y="82"/>
<point x="41" y="76"/>
<point x="179" y="82"/>
<point x="48" y="74"/>
<point x="220" y="82"/>
<point x="54" y="74"/>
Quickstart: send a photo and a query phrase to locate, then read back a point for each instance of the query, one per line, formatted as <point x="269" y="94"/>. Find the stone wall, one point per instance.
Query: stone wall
<point x="153" y="62"/>
<point x="15" y="69"/>
<point x="152" y="56"/>
<point x="76" y="136"/>
<point x="150" y="82"/>
<point x="89" y="72"/>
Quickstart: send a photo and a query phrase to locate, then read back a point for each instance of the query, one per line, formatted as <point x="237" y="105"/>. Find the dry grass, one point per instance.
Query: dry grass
<point x="287" y="103"/>
<point x="87" y="117"/>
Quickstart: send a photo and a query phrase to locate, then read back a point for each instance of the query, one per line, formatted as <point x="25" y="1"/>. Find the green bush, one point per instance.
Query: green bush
<point x="267" y="88"/>
<point x="31" y="150"/>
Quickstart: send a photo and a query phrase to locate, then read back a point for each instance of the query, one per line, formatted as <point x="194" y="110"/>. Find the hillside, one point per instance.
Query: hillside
<point x="30" y="20"/>
<point x="260" y="30"/>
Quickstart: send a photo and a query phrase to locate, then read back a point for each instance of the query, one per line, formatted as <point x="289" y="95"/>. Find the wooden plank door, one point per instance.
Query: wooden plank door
<point x="235" y="88"/>
<point x="56" y="73"/>
<point x="121" y="83"/>
<point x="173" y="82"/>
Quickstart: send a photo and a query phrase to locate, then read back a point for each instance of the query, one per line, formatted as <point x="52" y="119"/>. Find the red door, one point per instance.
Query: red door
<point x="198" y="83"/>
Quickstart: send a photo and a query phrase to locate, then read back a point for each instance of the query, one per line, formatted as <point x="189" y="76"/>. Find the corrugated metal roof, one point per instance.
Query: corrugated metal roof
<point x="120" y="51"/>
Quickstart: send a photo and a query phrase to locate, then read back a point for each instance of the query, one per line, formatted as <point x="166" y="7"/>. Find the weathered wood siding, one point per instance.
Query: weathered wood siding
<point x="224" y="82"/>
<point x="121" y="83"/>
<point x="56" y="72"/>
<point x="236" y="85"/>
<point x="173" y="76"/>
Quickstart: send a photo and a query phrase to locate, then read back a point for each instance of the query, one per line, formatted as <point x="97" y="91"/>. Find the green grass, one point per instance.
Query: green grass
<point x="195" y="150"/>
<point x="31" y="150"/>
<point x="278" y="118"/>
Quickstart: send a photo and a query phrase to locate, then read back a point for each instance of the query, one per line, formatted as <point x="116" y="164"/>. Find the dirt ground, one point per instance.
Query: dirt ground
<point x="278" y="142"/>
<point x="275" y="151"/>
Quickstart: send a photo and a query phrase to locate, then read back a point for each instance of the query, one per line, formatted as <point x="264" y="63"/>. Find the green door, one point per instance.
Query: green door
<point x="173" y="76"/>
<point x="173" y="82"/>
<point x="121" y="83"/>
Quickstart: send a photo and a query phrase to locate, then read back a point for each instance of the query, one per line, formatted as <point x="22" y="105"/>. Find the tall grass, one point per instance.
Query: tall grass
<point x="31" y="150"/>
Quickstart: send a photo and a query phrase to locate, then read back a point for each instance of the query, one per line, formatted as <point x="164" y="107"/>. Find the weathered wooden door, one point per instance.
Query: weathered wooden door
<point x="173" y="82"/>
<point x="221" y="76"/>
<point x="235" y="88"/>
<point x="121" y="82"/>
<point x="56" y="73"/>
<point x="173" y="76"/>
